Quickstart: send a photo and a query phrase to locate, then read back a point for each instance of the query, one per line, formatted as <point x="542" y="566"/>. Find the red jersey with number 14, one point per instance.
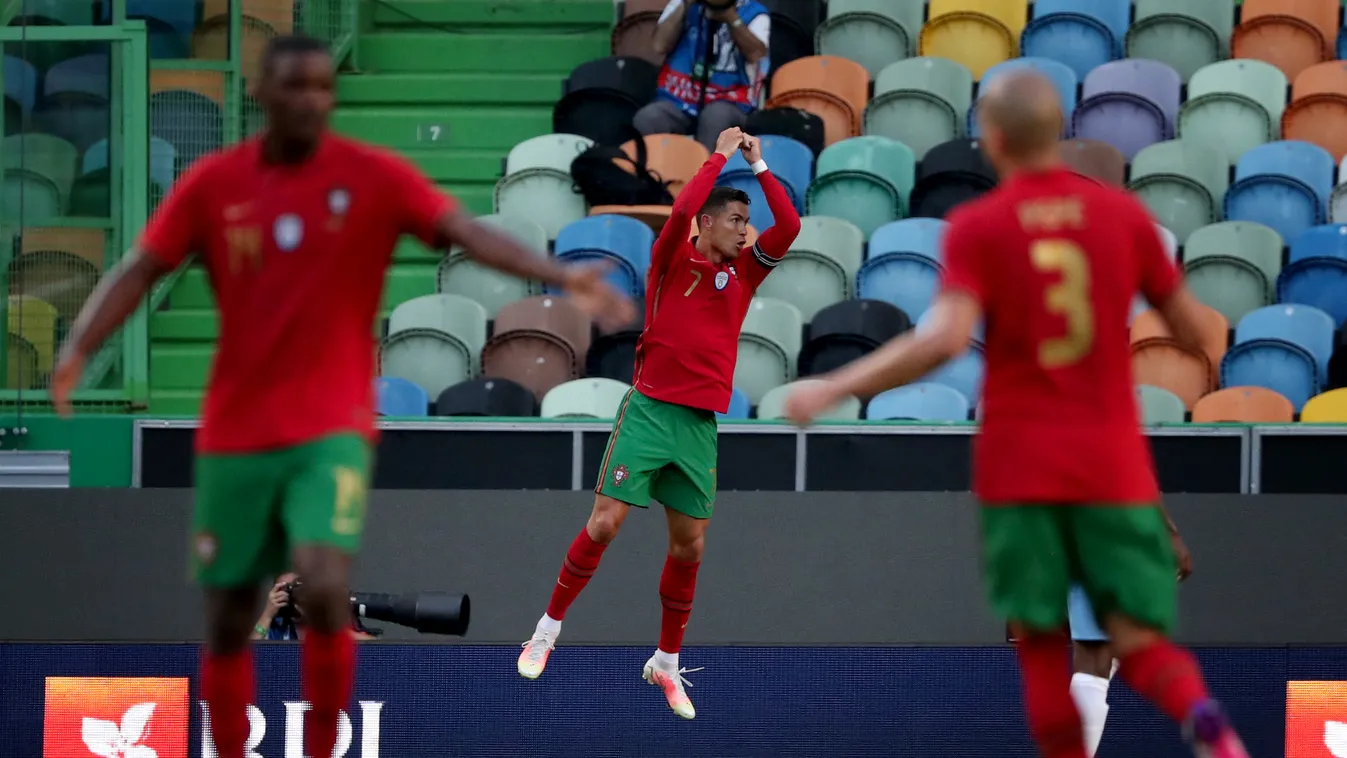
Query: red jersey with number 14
<point x="1054" y="259"/>
<point x="296" y="257"/>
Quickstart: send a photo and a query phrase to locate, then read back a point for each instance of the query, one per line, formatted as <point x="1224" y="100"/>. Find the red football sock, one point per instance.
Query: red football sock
<point x="328" y="673"/>
<point x="676" y="587"/>
<point x="227" y="687"/>
<point x="1054" y="722"/>
<point x="582" y="560"/>
<point x="1167" y="675"/>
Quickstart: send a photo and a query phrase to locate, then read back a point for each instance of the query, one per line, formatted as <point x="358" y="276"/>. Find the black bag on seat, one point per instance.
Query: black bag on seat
<point x="798" y="124"/>
<point x="599" y="177"/>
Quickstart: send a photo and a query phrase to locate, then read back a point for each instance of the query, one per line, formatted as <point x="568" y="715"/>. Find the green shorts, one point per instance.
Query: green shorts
<point x="252" y="508"/>
<point x="662" y="451"/>
<point x="1121" y="556"/>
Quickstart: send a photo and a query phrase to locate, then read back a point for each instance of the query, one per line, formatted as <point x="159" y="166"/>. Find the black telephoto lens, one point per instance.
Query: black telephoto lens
<point x="426" y="612"/>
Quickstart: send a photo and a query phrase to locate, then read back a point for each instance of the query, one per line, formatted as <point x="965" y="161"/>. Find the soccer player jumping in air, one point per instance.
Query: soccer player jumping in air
<point x="663" y="444"/>
<point x="296" y="229"/>
<point x="1064" y="474"/>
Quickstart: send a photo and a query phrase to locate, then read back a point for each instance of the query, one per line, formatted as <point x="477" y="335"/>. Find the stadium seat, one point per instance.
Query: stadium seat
<point x="1234" y="105"/>
<point x="821" y="267"/>
<point x="538" y="343"/>
<point x="908" y="281"/>
<point x="163" y="160"/>
<point x="845" y="331"/>
<point x="1290" y="34"/>
<point x="964" y="373"/>
<point x="1059" y="74"/>
<point x="1212" y="341"/>
<point x="44" y="162"/>
<point x="34" y="320"/>
<point x="633" y="36"/>
<point x="796" y="123"/>
<point x="835" y="89"/>
<point x="951" y="174"/>
<point x="593" y="397"/>
<point x="1285" y="348"/>
<point x="976" y="33"/>
<point x="601" y="96"/>
<point x="487" y="397"/>
<point x="916" y="236"/>
<point x="675" y="158"/>
<point x="1182" y="182"/>
<point x="1170" y="365"/>
<point x="1129" y="104"/>
<point x="1083" y="34"/>
<point x="1184" y="34"/>
<point x="21" y="372"/>
<point x="433" y="341"/>
<point x="920" y="102"/>
<point x="1337" y="202"/>
<point x="792" y="164"/>
<point x="1098" y="160"/>
<point x="1316" y="282"/>
<point x="187" y="111"/>
<point x="1318" y="109"/>
<point x="874" y="33"/>
<point x="773" y="405"/>
<point x="1283" y="185"/>
<point x="20" y="94"/>
<point x="1157" y="405"/>
<point x="89" y="245"/>
<point x="537" y="186"/>
<point x="740" y="407"/>
<point x="548" y="152"/>
<point x="458" y="274"/>
<point x="1232" y="266"/>
<point x="1243" y="405"/>
<point x="399" y="397"/>
<point x="74" y="103"/>
<point x="923" y="401"/>
<point x="621" y="241"/>
<point x="1328" y="408"/>
<point x="612" y="354"/>
<point x="794" y="24"/>
<point x="865" y="180"/>
<point x="769" y="346"/>
<point x="64" y="277"/>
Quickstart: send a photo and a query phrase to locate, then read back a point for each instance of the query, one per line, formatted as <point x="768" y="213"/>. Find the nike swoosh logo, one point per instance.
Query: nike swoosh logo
<point x="562" y="584"/>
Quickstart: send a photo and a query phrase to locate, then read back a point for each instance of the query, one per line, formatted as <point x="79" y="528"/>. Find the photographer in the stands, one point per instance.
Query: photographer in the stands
<point x="283" y="618"/>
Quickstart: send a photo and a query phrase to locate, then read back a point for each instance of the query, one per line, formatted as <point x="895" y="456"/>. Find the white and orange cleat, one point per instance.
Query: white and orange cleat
<point x="670" y="679"/>
<point x="537" y="650"/>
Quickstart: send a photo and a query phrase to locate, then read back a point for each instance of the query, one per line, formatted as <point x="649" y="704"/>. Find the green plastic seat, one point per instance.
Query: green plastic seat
<point x="1236" y="105"/>
<point x="773" y="404"/>
<point x="874" y="33"/>
<point x="864" y="180"/>
<point x="434" y="341"/>
<point x="91" y="195"/>
<point x="593" y="397"/>
<point x="1156" y="405"/>
<point x="821" y="266"/>
<point x="920" y="102"/>
<point x="769" y="345"/>
<point x="1183" y="183"/>
<point x="21" y="364"/>
<point x="33" y="197"/>
<point x="1186" y="34"/>
<point x="1233" y="266"/>
<point x="542" y="196"/>
<point x="43" y="155"/>
<point x="549" y="151"/>
<point x="457" y="274"/>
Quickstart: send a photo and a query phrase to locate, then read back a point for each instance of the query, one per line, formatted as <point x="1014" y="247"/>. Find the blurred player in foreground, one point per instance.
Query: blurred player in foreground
<point x="296" y="229"/>
<point x="663" y="444"/>
<point x="1064" y="474"/>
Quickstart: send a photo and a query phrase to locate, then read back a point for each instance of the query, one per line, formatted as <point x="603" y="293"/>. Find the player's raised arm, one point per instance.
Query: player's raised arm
<point x="690" y="200"/>
<point x="773" y="243"/>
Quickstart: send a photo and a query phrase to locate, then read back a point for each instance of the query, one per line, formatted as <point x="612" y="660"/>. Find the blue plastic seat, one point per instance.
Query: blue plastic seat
<point x="792" y="164"/>
<point x="1327" y="241"/>
<point x="1303" y="326"/>
<point x="1273" y="364"/>
<point x="1083" y="34"/>
<point x="1317" y="282"/>
<point x="923" y="401"/>
<point x="1060" y="74"/>
<point x="621" y="239"/>
<point x="399" y="397"/>
<point x="919" y="236"/>
<point x="905" y="279"/>
<point x="1130" y="104"/>
<point x="740" y="407"/>
<point x="1283" y="185"/>
<point x="20" y="93"/>
<point x="963" y="373"/>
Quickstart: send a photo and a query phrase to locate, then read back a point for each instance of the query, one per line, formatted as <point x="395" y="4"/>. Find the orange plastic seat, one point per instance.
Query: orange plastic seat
<point x="652" y="216"/>
<point x="547" y="314"/>
<point x="279" y="15"/>
<point x="538" y="342"/>
<point x="674" y="157"/>
<point x="1243" y="405"/>
<point x="634" y="34"/>
<point x="89" y="244"/>
<point x="1162" y="362"/>
<point x="1215" y="336"/>
<point x="1290" y="34"/>
<point x="1317" y="112"/>
<point x="835" y="89"/>
<point x="1097" y="160"/>
<point x="208" y="84"/>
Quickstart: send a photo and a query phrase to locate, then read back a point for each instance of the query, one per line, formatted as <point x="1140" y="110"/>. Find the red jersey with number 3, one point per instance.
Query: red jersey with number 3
<point x="296" y="257"/>
<point x="1055" y="259"/>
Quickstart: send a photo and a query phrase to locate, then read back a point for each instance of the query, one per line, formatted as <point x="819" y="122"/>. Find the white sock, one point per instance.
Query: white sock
<point x="668" y="661"/>
<point x="549" y="625"/>
<point x="1091" y="696"/>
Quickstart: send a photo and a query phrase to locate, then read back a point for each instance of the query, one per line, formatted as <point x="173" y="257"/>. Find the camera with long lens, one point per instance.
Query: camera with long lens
<point x="426" y="612"/>
<point x="290" y="611"/>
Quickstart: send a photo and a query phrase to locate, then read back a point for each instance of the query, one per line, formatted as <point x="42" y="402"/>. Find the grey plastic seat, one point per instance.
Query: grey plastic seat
<point x="537" y="185"/>
<point x="821" y="266"/>
<point x="458" y="274"/>
<point x="1185" y="34"/>
<point x="1183" y="183"/>
<point x="769" y="346"/>
<point x="1156" y="405"/>
<point x="773" y="404"/>
<point x="920" y="102"/>
<point x="1233" y="266"/>
<point x="549" y="151"/>
<point x="593" y="397"/>
<point x="874" y="33"/>
<point x="865" y="180"/>
<point x="1236" y="105"/>
<point x="434" y="341"/>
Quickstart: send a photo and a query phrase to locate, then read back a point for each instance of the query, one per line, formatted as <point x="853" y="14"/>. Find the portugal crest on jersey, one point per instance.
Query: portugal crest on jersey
<point x="722" y="279"/>
<point x="620" y="475"/>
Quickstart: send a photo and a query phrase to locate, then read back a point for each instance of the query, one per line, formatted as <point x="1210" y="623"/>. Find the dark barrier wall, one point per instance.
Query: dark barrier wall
<point x="780" y="568"/>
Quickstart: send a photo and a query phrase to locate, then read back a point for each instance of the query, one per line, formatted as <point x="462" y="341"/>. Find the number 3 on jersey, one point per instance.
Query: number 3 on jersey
<point x="1069" y="298"/>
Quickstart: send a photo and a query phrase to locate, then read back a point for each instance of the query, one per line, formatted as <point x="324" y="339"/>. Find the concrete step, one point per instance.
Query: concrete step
<point x="555" y="15"/>
<point x="443" y="127"/>
<point x="451" y="88"/>
<point x="511" y="52"/>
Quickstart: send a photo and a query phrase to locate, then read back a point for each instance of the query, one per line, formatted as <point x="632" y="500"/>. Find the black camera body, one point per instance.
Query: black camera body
<point x="290" y="611"/>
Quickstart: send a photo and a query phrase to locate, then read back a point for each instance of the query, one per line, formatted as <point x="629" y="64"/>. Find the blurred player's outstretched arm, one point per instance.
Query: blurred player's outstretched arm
<point x="775" y="242"/>
<point x="1162" y="285"/>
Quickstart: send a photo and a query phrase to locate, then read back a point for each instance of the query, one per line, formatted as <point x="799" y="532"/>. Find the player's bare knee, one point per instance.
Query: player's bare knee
<point x="687" y="548"/>
<point x="1129" y="636"/>
<point x="1093" y="658"/>
<point x="606" y="519"/>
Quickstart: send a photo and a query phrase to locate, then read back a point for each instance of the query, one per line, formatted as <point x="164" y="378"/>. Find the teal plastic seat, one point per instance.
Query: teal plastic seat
<point x="821" y="266"/>
<point x="1235" y="105"/>
<point x="434" y="341"/>
<point x="1156" y="405"/>
<point x="457" y="274"/>
<point x="864" y="180"/>
<point x="1233" y="266"/>
<point x="593" y="397"/>
<point x="42" y="155"/>
<point x="874" y="33"/>
<point x="920" y="102"/>
<point x="1185" y="34"/>
<point x="769" y="346"/>
<point x="28" y="197"/>
<point x="1183" y="183"/>
<point x="773" y="404"/>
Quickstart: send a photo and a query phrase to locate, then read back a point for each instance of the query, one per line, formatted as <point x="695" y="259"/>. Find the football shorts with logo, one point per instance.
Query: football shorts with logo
<point x="661" y="451"/>
<point x="253" y="508"/>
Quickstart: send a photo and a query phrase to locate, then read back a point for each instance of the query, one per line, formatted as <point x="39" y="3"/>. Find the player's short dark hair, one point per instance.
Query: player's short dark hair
<point x="290" y="44"/>
<point x="721" y="197"/>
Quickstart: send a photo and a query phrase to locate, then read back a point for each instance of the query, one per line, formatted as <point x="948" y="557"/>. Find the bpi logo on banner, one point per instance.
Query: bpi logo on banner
<point x="121" y="717"/>
<point x="1316" y="720"/>
<point x="290" y="742"/>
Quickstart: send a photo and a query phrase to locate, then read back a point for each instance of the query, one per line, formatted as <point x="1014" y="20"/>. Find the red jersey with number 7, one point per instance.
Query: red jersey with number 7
<point x="694" y="308"/>
<point x="1055" y="259"/>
